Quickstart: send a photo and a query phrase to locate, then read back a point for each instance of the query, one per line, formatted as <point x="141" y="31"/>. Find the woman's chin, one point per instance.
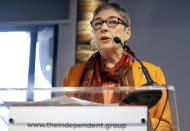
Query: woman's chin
<point x="108" y="49"/>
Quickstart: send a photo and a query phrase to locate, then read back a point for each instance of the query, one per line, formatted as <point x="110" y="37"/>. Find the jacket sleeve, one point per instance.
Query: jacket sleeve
<point x="156" y="111"/>
<point x="73" y="76"/>
<point x="67" y="78"/>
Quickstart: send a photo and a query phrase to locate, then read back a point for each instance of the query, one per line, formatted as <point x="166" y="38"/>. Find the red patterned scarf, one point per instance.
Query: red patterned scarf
<point x="95" y="74"/>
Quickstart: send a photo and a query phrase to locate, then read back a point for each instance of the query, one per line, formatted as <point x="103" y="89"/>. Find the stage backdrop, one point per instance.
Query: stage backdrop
<point x="160" y="35"/>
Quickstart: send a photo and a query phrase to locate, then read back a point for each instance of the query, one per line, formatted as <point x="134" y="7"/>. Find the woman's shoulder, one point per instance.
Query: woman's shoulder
<point x="146" y="64"/>
<point x="73" y="75"/>
<point x="155" y="72"/>
<point x="77" y="66"/>
<point x="76" y="69"/>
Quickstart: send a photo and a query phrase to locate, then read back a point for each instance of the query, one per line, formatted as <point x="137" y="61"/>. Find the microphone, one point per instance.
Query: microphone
<point x="144" y="70"/>
<point x="145" y="97"/>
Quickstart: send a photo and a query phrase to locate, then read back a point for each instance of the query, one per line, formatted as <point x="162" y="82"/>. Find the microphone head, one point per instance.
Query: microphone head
<point x="117" y="40"/>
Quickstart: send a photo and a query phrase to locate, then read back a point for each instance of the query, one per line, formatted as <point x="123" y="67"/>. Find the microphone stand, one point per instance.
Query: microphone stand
<point x="149" y="98"/>
<point x="146" y="74"/>
<point x="146" y="97"/>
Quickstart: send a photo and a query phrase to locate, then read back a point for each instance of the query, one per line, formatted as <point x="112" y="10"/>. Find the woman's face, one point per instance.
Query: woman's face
<point x="103" y="37"/>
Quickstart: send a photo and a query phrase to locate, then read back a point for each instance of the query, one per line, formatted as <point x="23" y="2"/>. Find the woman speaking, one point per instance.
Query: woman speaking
<point x="110" y="66"/>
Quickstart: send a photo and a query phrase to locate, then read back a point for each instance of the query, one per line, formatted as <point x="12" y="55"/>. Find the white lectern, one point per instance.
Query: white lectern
<point x="76" y="109"/>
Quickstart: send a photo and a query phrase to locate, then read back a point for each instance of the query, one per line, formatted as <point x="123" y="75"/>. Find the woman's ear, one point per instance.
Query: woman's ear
<point x="128" y="32"/>
<point x="93" y="35"/>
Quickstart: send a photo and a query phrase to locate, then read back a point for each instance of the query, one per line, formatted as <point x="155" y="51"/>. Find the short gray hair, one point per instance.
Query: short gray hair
<point x="122" y="12"/>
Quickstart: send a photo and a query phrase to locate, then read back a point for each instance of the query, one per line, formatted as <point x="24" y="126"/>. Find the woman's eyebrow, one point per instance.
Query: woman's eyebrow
<point x="98" y="18"/>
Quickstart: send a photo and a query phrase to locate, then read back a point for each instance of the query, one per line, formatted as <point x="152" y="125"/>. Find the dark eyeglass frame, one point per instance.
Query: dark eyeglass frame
<point x="106" y="21"/>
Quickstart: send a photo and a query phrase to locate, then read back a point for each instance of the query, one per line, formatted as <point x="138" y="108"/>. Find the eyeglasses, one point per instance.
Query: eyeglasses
<point x="111" y="22"/>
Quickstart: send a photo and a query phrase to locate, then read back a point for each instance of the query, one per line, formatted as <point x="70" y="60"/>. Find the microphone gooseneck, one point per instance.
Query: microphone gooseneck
<point x="144" y="70"/>
<point x="149" y="98"/>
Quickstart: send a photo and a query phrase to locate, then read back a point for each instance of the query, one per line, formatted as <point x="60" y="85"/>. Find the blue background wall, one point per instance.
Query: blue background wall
<point x="160" y="35"/>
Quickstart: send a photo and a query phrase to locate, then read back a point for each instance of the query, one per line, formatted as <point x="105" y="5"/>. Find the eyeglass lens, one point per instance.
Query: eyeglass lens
<point x="111" y="22"/>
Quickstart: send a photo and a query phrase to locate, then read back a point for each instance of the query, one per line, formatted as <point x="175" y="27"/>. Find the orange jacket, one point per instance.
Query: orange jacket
<point x="73" y="77"/>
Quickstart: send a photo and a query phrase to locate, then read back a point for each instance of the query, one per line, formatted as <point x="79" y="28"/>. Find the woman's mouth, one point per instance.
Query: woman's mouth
<point x="105" y="39"/>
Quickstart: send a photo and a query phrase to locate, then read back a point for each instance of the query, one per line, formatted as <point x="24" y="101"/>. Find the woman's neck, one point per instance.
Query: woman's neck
<point x="110" y="60"/>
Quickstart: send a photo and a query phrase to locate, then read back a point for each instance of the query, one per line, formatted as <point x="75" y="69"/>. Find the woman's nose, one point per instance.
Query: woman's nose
<point x="104" y="27"/>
